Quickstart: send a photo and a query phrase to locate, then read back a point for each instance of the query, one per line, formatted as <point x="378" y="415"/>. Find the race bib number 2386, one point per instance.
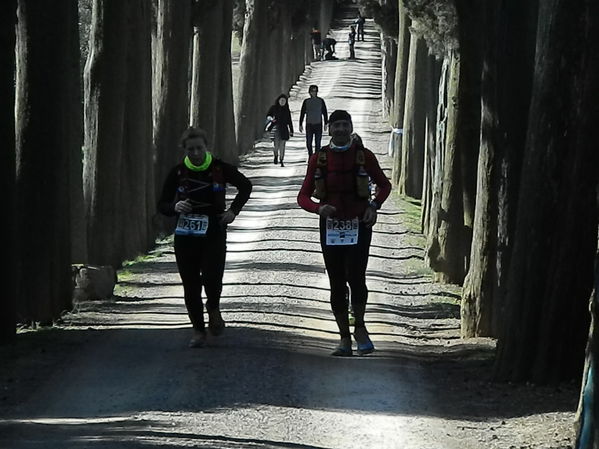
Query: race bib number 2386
<point x="342" y="232"/>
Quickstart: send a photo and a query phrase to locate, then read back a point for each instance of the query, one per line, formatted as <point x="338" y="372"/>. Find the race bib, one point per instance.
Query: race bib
<point x="192" y="224"/>
<point x="342" y="232"/>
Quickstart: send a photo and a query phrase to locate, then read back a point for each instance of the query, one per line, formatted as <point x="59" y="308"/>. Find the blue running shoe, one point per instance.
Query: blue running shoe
<point x="365" y="345"/>
<point x="344" y="348"/>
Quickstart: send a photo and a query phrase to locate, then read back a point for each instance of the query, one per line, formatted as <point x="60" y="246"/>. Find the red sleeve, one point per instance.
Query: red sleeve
<point x="304" y="197"/>
<point x="378" y="177"/>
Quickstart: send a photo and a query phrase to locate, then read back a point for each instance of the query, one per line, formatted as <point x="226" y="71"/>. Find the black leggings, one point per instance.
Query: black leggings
<point x="201" y="262"/>
<point x="346" y="264"/>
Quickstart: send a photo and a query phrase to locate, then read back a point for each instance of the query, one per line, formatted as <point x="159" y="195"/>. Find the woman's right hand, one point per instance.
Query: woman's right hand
<point x="183" y="207"/>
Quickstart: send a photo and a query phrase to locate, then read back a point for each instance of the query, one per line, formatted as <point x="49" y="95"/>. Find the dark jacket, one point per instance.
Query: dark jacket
<point x="206" y="189"/>
<point x="282" y="116"/>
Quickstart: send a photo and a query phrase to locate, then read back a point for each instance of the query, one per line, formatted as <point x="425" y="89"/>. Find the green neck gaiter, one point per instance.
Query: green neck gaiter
<point x="204" y="166"/>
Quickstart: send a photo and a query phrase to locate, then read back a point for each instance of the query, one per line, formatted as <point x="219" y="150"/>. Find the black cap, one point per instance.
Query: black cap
<point x="339" y="114"/>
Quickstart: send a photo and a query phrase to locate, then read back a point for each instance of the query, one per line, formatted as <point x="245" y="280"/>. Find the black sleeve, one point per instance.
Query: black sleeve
<point x="166" y="203"/>
<point x="325" y="113"/>
<point x="302" y="113"/>
<point x="243" y="185"/>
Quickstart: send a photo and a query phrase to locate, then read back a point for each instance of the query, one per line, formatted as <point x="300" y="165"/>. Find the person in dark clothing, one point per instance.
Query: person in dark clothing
<point x="328" y="44"/>
<point x="338" y="176"/>
<point x="314" y="109"/>
<point x="194" y="192"/>
<point x="359" y="22"/>
<point x="351" y="40"/>
<point x="316" y="38"/>
<point x="279" y="116"/>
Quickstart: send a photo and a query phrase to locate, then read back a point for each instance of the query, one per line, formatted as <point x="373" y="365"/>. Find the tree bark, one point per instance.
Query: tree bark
<point x="248" y="95"/>
<point x="212" y="91"/>
<point x="449" y="251"/>
<point x="389" y="51"/>
<point x="401" y="70"/>
<point x="412" y="159"/>
<point x="8" y="20"/>
<point x="434" y="212"/>
<point x="551" y="272"/>
<point x="477" y="295"/>
<point x="78" y="223"/>
<point x="433" y="76"/>
<point x="226" y="143"/>
<point x="505" y="98"/>
<point x="444" y="241"/>
<point x="470" y="15"/>
<point x="286" y="78"/>
<point x="138" y="180"/>
<point x="43" y="110"/>
<point x="170" y="93"/>
<point x="105" y="90"/>
<point x="518" y="47"/>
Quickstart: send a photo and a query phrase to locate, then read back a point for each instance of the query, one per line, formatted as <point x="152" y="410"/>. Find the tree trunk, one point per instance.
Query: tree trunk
<point x="551" y="272"/>
<point x="433" y="74"/>
<point x="43" y="109"/>
<point x="78" y="223"/>
<point x="212" y="91"/>
<point x="105" y="80"/>
<point x="401" y="71"/>
<point x="504" y="118"/>
<point x="449" y="253"/>
<point x="8" y="20"/>
<point x="137" y="195"/>
<point x="286" y="78"/>
<point x="434" y="212"/>
<point x="477" y="296"/>
<point x="225" y="144"/>
<point x="248" y="95"/>
<point x="517" y="64"/>
<point x="443" y="246"/>
<point x="470" y="16"/>
<point x="267" y="73"/>
<point x="170" y="93"/>
<point x="412" y="159"/>
<point x="389" y="63"/>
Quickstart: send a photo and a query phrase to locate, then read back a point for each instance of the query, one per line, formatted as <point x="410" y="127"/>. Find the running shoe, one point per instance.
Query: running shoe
<point x="344" y="348"/>
<point x="216" y="324"/>
<point x="365" y="345"/>
<point x="198" y="340"/>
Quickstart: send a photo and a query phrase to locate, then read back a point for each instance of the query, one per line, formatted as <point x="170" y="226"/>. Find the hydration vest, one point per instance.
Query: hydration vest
<point x="362" y="180"/>
<point x="215" y="172"/>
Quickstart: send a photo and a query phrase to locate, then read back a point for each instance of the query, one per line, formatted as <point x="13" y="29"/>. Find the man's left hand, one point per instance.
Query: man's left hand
<point x="227" y="218"/>
<point x="369" y="217"/>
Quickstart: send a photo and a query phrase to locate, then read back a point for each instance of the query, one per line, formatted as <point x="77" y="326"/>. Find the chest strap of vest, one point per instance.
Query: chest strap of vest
<point x="362" y="179"/>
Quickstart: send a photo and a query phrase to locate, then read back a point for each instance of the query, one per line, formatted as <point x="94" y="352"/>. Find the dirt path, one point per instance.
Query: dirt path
<point x="118" y="374"/>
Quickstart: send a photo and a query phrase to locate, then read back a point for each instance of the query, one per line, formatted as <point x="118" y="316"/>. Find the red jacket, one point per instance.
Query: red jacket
<point x="340" y="183"/>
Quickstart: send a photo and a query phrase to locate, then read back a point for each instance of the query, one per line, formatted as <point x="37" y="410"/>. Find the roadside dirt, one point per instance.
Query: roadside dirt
<point x="118" y="373"/>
